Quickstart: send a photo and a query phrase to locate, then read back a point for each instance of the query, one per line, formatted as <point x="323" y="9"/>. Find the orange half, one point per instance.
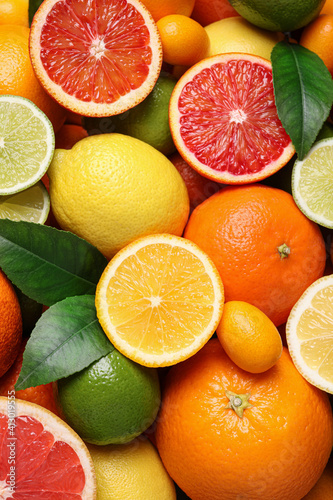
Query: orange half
<point x="159" y="300"/>
<point x="224" y="121"/>
<point x="96" y="58"/>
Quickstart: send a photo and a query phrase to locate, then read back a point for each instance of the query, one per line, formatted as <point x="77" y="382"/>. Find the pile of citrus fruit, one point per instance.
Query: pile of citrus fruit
<point x="166" y="251"/>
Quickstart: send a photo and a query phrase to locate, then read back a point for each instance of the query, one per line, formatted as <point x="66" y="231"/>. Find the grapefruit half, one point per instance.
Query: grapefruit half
<point x="224" y="121"/>
<point x="41" y="457"/>
<point x="96" y="58"/>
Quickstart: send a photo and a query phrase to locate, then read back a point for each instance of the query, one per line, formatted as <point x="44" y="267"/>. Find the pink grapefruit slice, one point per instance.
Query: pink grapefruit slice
<point x="41" y="457"/>
<point x="98" y="57"/>
<point x="224" y="121"/>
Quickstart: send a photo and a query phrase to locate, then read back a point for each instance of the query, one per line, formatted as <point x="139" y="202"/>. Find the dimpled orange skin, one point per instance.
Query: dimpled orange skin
<point x="241" y="228"/>
<point x="277" y="451"/>
<point x="10" y="324"/>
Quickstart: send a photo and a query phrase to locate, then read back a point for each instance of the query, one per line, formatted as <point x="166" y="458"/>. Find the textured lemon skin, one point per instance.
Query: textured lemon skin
<point x="129" y="471"/>
<point x="235" y="34"/>
<point x="111" y="189"/>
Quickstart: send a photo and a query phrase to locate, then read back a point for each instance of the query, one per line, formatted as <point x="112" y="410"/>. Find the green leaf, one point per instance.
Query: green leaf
<point x="303" y="89"/>
<point x="33" y="6"/>
<point x="66" y="339"/>
<point x="48" y="264"/>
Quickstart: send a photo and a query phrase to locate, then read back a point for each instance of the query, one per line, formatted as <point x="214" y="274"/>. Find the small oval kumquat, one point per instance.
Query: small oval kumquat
<point x="249" y="337"/>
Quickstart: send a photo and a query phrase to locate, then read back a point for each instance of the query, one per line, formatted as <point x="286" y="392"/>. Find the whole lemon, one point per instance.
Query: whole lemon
<point x="111" y="189"/>
<point x="235" y="34"/>
<point x="132" y="470"/>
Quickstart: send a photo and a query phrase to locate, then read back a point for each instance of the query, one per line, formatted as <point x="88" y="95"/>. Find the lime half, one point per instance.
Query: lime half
<point x="309" y="332"/>
<point x="312" y="183"/>
<point x="32" y="204"/>
<point x="26" y="144"/>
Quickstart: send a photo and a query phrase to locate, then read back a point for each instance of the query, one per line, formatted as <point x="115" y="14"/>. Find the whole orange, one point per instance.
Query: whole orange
<point x="199" y="187"/>
<point x="10" y="324"/>
<point x="42" y="395"/>
<point x="17" y="76"/>
<point x="163" y="8"/>
<point x="266" y="251"/>
<point x="210" y="11"/>
<point x="226" y="434"/>
<point x="318" y="37"/>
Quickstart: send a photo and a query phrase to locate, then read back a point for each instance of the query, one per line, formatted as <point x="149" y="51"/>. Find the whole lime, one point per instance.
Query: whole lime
<point x="113" y="400"/>
<point x="132" y="470"/>
<point x="148" y="121"/>
<point x="284" y="15"/>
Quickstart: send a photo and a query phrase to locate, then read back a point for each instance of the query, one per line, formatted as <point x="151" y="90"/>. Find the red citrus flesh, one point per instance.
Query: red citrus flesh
<point x="104" y="53"/>
<point x="36" y="463"/>
<point x="224" y="120"/>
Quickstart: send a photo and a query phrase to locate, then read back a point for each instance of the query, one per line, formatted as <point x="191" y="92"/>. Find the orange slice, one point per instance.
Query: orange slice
<point x="95" y="58"/>
<point x="224" y="121"/>
<point x="41" y="456"/>
<point x="159" y="300"/>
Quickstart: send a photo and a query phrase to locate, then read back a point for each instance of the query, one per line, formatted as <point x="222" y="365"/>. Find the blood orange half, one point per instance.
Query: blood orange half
<point x="41" y="457"/>
<point x="95" y="57"/>
<point x="224" y="121"/>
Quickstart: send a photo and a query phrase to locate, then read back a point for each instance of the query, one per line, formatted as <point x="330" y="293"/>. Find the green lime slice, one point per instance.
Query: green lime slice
<point x="26" y="144"/>
<point x="312" y="183"/>
<point x="32" y="204"/>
